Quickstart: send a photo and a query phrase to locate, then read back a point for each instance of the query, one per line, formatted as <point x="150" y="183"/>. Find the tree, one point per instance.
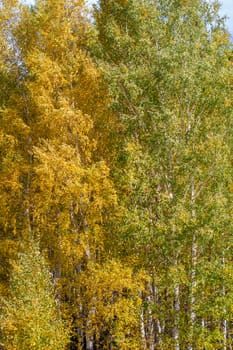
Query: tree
<point x="30" y="317"/>
<point x="168" y="74"/>
<point x="111" y="306"/>
<point x="65" y="193"/>
<point x="120" y="165"/>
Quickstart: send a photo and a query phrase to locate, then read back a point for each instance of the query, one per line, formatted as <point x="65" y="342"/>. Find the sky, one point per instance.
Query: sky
<point x="226" y="10"/>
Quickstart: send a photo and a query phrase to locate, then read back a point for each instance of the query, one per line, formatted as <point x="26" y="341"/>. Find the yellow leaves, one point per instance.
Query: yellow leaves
<point x="12" y="122"/>
<point x="58" y="165"/>
<point x="57" y="182"/>
<point x="60" y="188"/>
<point x="177" y="275"/>
<point x="8" y="247"/>
<point x="9" y="326"/>
<point x="112" y="296"/>
<point x="45" y="71"/>
<point x="71" y="250"/>
<point x="101" y="187"/>
<point x="228" y="102"/>
<point x="45" y="83"/>
<point x="71" y="200"/>
<point x="230" y="186"/>
<point x="220" y="38"/>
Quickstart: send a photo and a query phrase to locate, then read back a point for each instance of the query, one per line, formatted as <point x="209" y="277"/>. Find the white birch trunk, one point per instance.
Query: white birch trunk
<point x="143" y="330"/>
<point x="28" y="210"/>
<point x="193" y="276"/>
<point x="176" y="333"/>
<point x="224" y="326"/>
<point x="90" y="343"/>
<point x="151" y="330"/>
<point x="224" y="323"/>
<point x="90" y="338"/>
<point x="203" y="322"/>
<point x="158" y="321"/>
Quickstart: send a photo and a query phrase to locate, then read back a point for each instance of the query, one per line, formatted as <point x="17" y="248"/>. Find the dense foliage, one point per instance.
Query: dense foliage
<point x="115" y="176"/>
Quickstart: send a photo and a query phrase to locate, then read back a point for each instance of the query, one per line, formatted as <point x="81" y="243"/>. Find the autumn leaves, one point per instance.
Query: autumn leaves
<point x="115" y="170"/>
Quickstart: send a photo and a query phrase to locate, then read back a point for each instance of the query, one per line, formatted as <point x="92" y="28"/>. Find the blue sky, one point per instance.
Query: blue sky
<point x="226" y="10"/>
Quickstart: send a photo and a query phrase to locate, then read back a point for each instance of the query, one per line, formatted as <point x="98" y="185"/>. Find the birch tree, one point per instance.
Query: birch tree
<point x="167" y="68"/>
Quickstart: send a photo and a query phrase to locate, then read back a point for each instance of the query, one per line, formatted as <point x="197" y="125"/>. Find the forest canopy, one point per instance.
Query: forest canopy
<point x="115" y="176"/>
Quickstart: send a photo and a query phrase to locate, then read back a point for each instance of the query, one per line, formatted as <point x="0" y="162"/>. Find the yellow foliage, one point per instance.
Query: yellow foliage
<point x="110" y="294"/>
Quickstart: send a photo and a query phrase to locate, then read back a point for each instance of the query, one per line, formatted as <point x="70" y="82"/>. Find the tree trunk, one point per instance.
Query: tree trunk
<point x="176" y="333"/>
<point x="193" y="276"/>
<point x="224" y="322"/>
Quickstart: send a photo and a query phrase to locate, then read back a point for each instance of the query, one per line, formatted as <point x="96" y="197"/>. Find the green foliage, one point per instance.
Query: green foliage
<point x="30" y="317"/>
<point x="169" y="85"/>
<point x="116" y="144"/>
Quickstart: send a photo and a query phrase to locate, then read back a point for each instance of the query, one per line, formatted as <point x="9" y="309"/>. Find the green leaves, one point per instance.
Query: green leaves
<point x="30" y="316"/>
<point x="169" y="90"/>
<point x="116" y="142"/>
